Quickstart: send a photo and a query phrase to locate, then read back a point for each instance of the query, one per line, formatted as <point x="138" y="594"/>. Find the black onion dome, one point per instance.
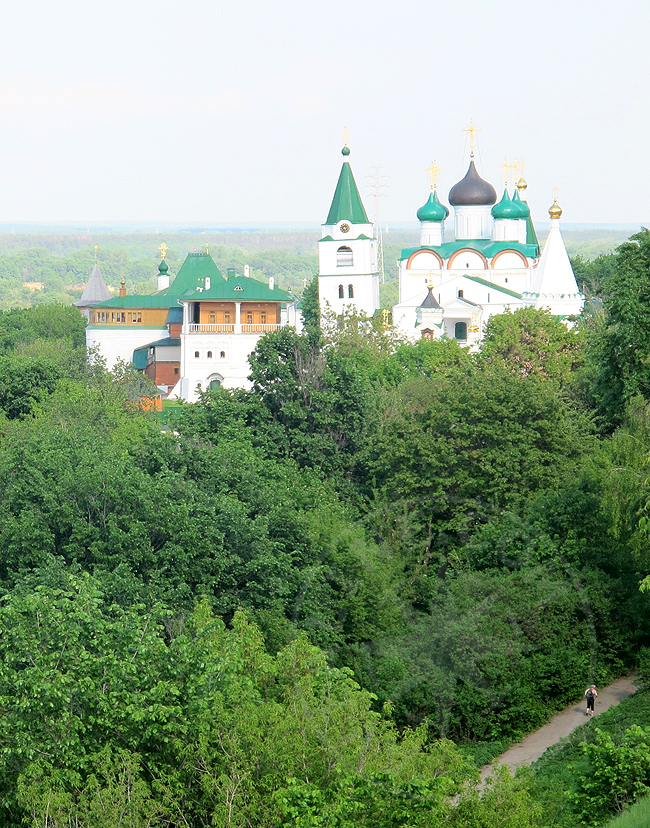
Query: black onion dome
<point x="472" y="190"/>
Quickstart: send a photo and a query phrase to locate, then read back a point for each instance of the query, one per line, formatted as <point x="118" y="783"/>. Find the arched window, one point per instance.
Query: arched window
<point x="341" y="292"/>
<point x="460" y="294"/>
<point x="209" y="354"/>
<point x="460" y="330"/>
<point x="196" y="354"/>
<point x="350" y="292"/>
<point x="344" y="257"/>
<point x="215" y="383"/>
<point x="222" y="354"/>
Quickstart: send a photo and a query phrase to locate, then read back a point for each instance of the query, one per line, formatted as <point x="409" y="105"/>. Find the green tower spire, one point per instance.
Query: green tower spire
<point x="347" y="203"/>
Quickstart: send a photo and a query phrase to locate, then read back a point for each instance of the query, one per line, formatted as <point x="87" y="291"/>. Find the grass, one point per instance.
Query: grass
<point x="555" y="776"/>
<point x="637" y="817"/>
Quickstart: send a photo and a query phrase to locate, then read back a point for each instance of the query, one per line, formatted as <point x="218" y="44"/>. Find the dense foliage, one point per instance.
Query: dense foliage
<point x="277" y="608"/>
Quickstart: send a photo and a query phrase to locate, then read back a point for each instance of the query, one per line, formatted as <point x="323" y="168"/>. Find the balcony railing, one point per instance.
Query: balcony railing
<point x="258" y="328"/>
<point x="195" y="328"/>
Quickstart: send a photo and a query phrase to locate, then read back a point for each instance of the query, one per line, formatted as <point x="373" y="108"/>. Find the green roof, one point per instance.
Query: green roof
<point x="493" y="286"/>
<point x="525" y="209"/>
<point x="506" y="208"/>
<point x="134" y="300"/>
<point x="433" y="210"/>
<point x="239" y="289"/>
<point x="347" y="203"/>
<point x="193" y="273"/>
<point x="531" y="235"/>
<point x="487" y="247"/>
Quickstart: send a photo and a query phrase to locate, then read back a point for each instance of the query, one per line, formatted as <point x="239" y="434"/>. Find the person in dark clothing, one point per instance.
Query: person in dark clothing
<point x="590" y="695"/>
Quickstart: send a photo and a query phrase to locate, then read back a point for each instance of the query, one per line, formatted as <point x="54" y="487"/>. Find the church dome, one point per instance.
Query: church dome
<point x="524" y="209"/>
<point x="506" y="208"/>
<point x="555" y="210"/>
<point x="472" y="190"/>
<point x="433" y="210"/>
<point x="163" y="267"/>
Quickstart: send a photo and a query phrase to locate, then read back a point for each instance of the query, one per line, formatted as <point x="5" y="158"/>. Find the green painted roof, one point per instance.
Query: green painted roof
<point x="493" y="286"/>
<point x="506" y="208"/>
<point x="487" y="247"/>
<point x="347" y="203"/>
<point x="240" y="289"/>
<point x="433" y="210"/>
<point x="531" y="235"/>
<point x="523" y="207"/>
<point x="193" y="273"/>
<point x="134" y="300"/>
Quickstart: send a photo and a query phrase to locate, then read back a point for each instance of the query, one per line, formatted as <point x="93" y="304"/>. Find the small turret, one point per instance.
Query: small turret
<point x="163" y="268"/>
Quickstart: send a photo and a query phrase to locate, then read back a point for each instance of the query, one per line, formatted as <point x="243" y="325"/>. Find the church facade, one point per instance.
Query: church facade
<point x="492" y="264"/>
<point x="448" y="287"/>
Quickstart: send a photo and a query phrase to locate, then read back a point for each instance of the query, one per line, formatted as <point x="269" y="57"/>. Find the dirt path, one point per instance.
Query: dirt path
<point x="561" y="725"/>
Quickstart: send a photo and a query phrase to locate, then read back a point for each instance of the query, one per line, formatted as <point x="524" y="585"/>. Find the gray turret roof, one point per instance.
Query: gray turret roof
<point x="95" y="290"/>
<point x="430" y="300"/>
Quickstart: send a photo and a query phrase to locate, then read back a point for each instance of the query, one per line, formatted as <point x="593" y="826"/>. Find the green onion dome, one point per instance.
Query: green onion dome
<point x="506" y="208"/>
<point x="163" y="268"/>
<point x="523" y="207"/>
<point x="345" y="151"/>
<point x="433" y="210"/>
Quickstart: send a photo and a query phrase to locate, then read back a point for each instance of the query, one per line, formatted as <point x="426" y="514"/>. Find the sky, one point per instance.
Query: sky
<point x="203" y="111"/>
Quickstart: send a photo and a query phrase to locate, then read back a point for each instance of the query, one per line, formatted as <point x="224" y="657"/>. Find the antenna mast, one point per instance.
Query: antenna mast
<point x="377" y="185"/>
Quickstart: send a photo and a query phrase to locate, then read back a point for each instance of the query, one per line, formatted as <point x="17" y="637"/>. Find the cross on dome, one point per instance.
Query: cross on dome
<point x="472" y="140"/>
<point x="433" y="169"/>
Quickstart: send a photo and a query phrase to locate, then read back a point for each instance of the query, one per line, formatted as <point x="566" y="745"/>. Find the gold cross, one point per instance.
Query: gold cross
<point x="207" y="248"/>
<point x="506" y="170"/>
<point x="519" y="167"/>
<point x="471" y="129"/>
<point x="345" y="134"/>
<point x="163" y="250"/>
<point x="433" y="171"/>
<point x="95" y="252"/>
<point x="555" y="192"/>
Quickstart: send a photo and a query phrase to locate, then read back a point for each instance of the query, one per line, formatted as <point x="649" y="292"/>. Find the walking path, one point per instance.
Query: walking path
<point x="561" y="725"/>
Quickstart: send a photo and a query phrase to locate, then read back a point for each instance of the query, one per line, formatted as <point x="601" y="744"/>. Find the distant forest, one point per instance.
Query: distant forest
<point x="62" y="263"/>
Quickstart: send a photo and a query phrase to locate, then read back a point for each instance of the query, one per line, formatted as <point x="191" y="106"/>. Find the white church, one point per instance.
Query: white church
<point x="449" y="287"/>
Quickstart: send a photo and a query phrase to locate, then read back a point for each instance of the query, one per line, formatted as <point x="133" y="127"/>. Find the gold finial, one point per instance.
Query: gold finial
<point x="471" y="129"/>
<point x="95" y="254"/>
<point x="433" y="169"/>
<point x="555" y="210"/>
<point x="519" y="174"/>
<point x="384" y="315"/>
<point x="207" y="248"/>
<point x="163" y="250"/>
<point x="430" y="280"/>
<point x="345" y="134"/>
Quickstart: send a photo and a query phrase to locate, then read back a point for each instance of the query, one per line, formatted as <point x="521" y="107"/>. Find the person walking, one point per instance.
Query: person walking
<point x="590" y="695"/>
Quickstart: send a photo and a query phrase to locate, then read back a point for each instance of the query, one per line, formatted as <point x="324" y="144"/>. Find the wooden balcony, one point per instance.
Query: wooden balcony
<point x="194" y="328"/>
<point x="261" y="329"/>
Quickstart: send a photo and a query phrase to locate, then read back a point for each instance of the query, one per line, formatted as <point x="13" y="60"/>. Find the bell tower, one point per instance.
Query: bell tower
<point x="348" y="272"/>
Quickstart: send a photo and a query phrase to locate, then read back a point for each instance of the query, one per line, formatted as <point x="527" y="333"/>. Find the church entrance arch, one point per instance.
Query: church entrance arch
<point x="214" y="381"/>
<point x="460" y="330"/>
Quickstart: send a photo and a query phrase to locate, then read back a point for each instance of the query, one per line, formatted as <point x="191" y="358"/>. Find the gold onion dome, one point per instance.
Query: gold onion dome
<point x="522" y="184"/>
<point x="555" y="210"/>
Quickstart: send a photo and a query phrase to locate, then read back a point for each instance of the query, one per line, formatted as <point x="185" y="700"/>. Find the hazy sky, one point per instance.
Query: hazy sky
<point x="202" y="110"/>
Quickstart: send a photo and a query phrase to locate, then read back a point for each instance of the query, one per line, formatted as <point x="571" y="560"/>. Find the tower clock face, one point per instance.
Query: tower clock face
<point x="345" y="228"/>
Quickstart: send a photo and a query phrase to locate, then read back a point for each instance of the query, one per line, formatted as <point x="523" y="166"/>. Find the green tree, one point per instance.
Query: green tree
<point x="620" y="349"/>
<point x="530" y="341"/>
